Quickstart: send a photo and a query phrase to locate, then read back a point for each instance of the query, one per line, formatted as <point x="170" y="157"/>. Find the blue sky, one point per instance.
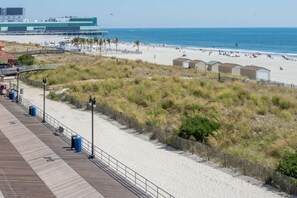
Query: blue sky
<point x="168" y="13"/>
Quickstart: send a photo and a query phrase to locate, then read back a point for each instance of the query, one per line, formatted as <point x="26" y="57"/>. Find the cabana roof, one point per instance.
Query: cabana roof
<point x="6" y="56"/>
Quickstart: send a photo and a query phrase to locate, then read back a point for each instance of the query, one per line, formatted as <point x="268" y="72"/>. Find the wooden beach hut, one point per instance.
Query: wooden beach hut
<point x="213" y="66"/>
<point x="230" y="68"/>
<point x="183" y="62"/>
<point x="198" y="64"/>
<point x="256" y="73"/>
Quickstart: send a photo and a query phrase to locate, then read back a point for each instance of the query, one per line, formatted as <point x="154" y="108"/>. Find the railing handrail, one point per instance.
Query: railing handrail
<point x="121" y="169"/>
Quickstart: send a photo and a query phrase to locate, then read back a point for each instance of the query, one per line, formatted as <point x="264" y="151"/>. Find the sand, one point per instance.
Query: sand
<point x="164" y="55"/>
<point x="179" y="173"/>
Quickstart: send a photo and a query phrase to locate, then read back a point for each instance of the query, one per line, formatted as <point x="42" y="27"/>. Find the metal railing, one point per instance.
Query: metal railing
<point x="23" y="69"/>
<point x="137" y="180"/>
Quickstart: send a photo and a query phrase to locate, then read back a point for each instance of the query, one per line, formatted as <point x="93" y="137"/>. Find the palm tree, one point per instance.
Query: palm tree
<point x="100" y="45"/>
<point x="75" y="41"/>
<point x="90" y="42"/>
<point x="108" y="41"/>
<point x="104" y="42"/>
<point x="137" y="43"/>
<point x="116" y="41"/>
<point x="82" y="42"/>
<point x="95" y="40"/>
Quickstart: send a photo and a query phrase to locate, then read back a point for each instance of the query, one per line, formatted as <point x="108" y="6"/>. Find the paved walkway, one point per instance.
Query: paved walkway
<point x="64" y="172"/>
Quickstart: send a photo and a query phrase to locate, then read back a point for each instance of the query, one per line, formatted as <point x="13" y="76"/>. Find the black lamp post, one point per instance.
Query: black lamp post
<point x="92" y="103"/>
<point x="17" y="97"/>
<point x="44" y="85"/>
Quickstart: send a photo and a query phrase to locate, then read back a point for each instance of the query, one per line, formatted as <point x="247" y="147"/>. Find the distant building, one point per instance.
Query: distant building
<point x="213" y="66"/>
<point x="230" y="68"/>
<point x="12" y="14"/>
<point x="198" y="64"/>
<point x="182" y="62"/>
<point x="12" y="22"/>
<point x="256" y="73"/>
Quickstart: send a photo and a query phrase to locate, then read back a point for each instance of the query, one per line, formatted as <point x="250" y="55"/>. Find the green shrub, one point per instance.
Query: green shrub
<point x="281" y="103"/>
<point x="167" y="104"/>
<point x="53" y="96"/>
<point x="288" y="166"/>
<point x="26" y="59"/>
<point x="197" y="127"/>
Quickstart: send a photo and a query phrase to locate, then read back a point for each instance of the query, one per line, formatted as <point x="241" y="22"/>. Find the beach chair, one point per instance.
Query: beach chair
<point x="59" y="131"/>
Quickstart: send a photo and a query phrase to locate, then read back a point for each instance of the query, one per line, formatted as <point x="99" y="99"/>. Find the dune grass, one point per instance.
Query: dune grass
<point x="257" y="122"/>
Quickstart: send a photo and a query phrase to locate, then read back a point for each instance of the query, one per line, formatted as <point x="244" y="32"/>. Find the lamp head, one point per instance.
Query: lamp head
<point x="44" y="81"/>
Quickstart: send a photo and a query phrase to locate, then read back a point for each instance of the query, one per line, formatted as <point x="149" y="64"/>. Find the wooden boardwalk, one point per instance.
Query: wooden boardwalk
<point x="17" y="179"/>
<point x="100" y="178"/>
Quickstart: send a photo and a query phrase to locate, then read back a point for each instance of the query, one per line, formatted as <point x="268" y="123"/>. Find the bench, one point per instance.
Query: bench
<point x="59" y="131"/>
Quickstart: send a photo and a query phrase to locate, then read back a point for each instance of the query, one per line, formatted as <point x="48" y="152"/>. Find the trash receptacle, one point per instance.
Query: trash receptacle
<point x="11" y="95"/>
<point x="73" y="142"/>
<point x="78" y="146"/>
<point x="30" y="110"/>
<point x="33" y="111"/>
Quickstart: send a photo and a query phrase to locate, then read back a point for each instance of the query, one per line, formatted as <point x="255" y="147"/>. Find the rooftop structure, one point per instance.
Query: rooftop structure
<point x="5" y="56"/>
<point x="12" y="14"/>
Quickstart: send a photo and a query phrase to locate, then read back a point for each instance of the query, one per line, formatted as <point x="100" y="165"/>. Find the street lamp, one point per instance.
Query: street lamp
<point x="92" y="103"/>
<point x="18" y="74"/>
<point x="44" y="85"/>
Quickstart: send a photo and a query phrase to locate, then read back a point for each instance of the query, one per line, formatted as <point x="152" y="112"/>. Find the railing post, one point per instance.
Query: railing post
<point x="125" y="172"/>
<point x="135" y="178"/>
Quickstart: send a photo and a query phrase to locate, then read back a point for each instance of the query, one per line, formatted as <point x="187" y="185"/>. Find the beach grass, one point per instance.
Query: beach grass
<point x="257" y="122"/>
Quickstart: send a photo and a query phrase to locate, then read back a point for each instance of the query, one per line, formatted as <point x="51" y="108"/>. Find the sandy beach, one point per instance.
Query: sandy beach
<point x="179" y="173"/>
<point x="160" y="54"/>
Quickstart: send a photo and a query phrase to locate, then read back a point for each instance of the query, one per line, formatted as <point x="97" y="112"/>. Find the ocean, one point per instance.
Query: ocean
<point x="265" y="40"/>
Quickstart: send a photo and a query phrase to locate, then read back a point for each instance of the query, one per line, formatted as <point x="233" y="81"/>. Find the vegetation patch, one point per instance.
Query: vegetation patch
<point x="197" y="128"/>
<point x="248" y="120"/>
<point x="288" y="166"/>
<point x="26" y="59"/>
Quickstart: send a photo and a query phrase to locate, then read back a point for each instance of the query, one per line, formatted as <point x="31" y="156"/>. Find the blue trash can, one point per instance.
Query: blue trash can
<point x="30" y="110"/>
<point x="73" y="141"/>
<point x="33" y="111"/>
<point x="11" y="95"/>
<point x="78" y="146"/>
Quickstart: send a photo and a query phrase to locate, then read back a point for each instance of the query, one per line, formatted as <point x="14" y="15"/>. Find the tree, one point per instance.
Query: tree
<point x="26" y="59"/>
<point x="82" y="42"/>
<point x="108" y="41"/>
<point x="137" y="43"/>
<point x="116" y="41"/>
<point x="96" y="40"/>
<point x="104" y="42"/>
<point x="100" y="45"/>
<point x="75" y="41"/>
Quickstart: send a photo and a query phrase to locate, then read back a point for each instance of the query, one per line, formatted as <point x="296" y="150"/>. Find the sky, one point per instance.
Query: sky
<point x="167" y="13"/>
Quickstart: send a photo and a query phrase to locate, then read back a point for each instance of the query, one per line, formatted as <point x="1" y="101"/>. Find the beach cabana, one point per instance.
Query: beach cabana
<point x="213" y="66"/>
<point x="256" y="73"/>
<point x="5" y="57"/>
<point x="183" y="62"/>
<point x="198" y="64"/>
<point x="230" y="68"/>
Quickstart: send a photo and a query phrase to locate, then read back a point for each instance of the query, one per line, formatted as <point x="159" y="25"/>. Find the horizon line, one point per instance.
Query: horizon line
<point x="195" y="27"/>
